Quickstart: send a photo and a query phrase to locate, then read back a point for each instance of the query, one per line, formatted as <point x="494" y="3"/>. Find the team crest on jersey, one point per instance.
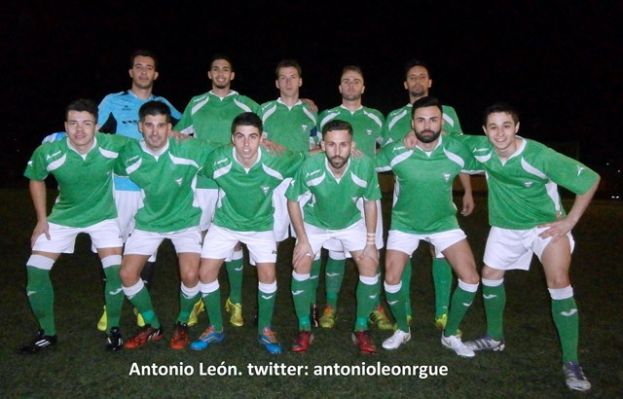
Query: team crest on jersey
<point x="304" y="128"/>
<point x="369" y="132"/>
<point x="179" y="181"/>
<point x="265" y="189"/>
<point x="446" y="177"/>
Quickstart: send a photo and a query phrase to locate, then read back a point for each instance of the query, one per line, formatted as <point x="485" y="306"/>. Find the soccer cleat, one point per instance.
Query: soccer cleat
<point x="398" y="338"/>
<point x="380" y="319"/>
<point x="139" y="318"/>
<point x="441" y="321"/>
<point x="236" y="313"/>
<point x="329" y="315"/>
<point x="180" y="337"/>
<point x="486" y="343"/>
<point x="454" y="342"/>
<point x="364" y="341"/>
<point x="114" y="340"/>
<point x="102" y="323"/>
<point x="144" y="335"/>
<point x="303" y="341"/>
<point x="198" y="307"/>
<point x="574" y="377"/>
<point x="41" y="342"/>
<point x="314" y="316"/>
<point x="268" y="339"/>
<point x="208" y="337"/>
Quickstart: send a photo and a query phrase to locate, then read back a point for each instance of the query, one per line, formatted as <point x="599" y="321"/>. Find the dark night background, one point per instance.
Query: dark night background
<point x="558" y="62"/>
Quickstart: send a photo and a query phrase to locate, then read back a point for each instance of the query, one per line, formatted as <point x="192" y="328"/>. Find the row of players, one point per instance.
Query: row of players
<point x="423" y="211"/>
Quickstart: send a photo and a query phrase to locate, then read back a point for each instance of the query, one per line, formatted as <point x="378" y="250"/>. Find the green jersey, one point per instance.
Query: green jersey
<point x="166" y="179"/>
<point x="523" y="190"/>
<point x="423" y="202"/>
<point x="209" y="117"/>
<point x="333" y="201"/>
<point x="245" y="195"/>
<point x="292" y="127"/>
<point x="398" y="123"/>
<point x="367" y="125"/>
<point x="84" y="180"/>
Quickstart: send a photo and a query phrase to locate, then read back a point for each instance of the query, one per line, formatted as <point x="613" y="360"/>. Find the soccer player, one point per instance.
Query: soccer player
<point x="118" y="114"/>
<point x="398" y="123"/>
<point x="336" y="183"/>
<point x="246" y="176"/>
<point x="82" y="165"/>
<point x="165" y="170"/>
<point x="526" y="217"/>
<point x="424" y="211"/>
<point x="367" y="124"/>
<point x="209" y="116"/>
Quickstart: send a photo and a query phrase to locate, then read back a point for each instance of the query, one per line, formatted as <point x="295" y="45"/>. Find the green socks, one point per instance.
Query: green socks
<point x="395" y="300"/>
<point x="334" y="275"/>
<point x="494" y="297"/>
<point x="211" y="296"/>
<point x="234" y="275"/>
<point x="301" y="286"/>
<point x="140" y="298"/>
<point x="461" y="301"/>
<point x="367" y="297"/>
<point x="566" y="319"/>
<point x="40" y="292"/>
<point x="188" y="298"/>
<point x="266" y="295"/>
<point x="442" y="279"/>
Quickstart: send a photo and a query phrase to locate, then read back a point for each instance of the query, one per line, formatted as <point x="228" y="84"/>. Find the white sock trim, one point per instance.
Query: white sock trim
<point x="468" y="287"/>
<point x="189" y="292"/>
<point x="132" y="290"/>
<point x="367" y="280"/>
<point x="267" y="288"/>
<point x="208" y="288"/>
<point x="40" y="262"/>
<point x="559" y="294"/>
<point x="111" y="260"/>
<point x="492" y="283"/>
<point x="300" y="277"/>
<point x="392" y="289"/>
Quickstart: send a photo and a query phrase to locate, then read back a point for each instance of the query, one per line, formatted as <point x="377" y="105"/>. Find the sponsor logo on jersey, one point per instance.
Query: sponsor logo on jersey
<point x="304" y="128"/>
<point x="265" y="189"/>
<point x="446" y="177"/>
<point x="313" y="172"/>
<point x="221" y="161"/>
<point x="179" y="181"/>
<point x="369" y="132"/>
<point x="580" y="169"/>
<point x="528" y="184"/>
<point x="50" y="156"/>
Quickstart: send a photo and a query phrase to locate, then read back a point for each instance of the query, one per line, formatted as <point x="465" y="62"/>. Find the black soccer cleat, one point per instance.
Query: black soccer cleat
<point x="40" y="343"/>
<point x="114" y="340"/>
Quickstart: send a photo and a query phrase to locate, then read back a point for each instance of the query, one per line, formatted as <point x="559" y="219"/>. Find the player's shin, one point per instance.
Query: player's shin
<point x="566" y="319"/>
<point x="40" y="292"/>
<point x="334" y="275"/>
<point x="188" y="298"/>
<point x="113" y="293"/>
<point x="314" y="278"/>
<point x="442" y="279"/>
<point x="300" y="286"/>
<point x="234" y="275"/>
<point x="138" y="295"/>
<point x="395" y="300"/>
<point x="367" y="295"/>
<point x="406" y="284"/>
<point x="211" y="295"/>
<point x="494" y="298"/>
<point x="266" y="295"/>
<point x="461" y="301"/>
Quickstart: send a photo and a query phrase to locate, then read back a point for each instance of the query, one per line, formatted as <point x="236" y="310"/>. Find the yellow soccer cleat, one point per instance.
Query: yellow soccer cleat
<point x="380" y="319"/>
<point x="441" y="321"/>
<point x="329" y="315"/>
<point x="102" y="323"/>
<point x="235" y="309"/>
<point x="139" y="318"/>
<point x="194" y="314"/>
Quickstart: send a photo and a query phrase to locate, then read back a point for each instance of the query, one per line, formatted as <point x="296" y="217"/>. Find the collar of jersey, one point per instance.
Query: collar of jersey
<point x="519" y="151"/>
<point x="259" y="156"/>
<point x="328" y="168"/>
<point x="84" y="156"/>
<point x="299" y="102"/>
<point x="156" y="154"/>
<point x="130" y="92"/>
<point x="352" y="112"/>
<point x="433" y="150"/>
<point x="231" y="93"/>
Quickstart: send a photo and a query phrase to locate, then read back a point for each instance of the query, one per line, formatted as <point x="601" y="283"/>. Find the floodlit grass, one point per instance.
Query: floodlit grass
<point x="529" y="367"/>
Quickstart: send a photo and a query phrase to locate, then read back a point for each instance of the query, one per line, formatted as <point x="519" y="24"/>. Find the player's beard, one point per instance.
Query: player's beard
<point x="430" y="136"/>
<point x="338" y="162"/>
<point x="418" y="91"/>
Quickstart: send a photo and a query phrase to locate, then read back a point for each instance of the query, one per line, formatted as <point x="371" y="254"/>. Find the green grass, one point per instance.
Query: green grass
<point x="529" y="367"/>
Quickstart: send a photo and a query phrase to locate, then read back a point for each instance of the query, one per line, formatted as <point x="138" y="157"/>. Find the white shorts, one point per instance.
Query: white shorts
<point x="104" y="234"/>
<point x="352" y="238"/>
<point x="512" y="249"/>
<point x="128" y="203"/>
<point x="206" y="199"/>
<point x="336" y="245"/>
<point x="219" y="243"/>
<point x="408" y="242"/>
<point x="143" y="242"/>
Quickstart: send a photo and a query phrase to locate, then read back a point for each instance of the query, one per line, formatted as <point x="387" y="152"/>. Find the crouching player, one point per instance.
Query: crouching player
<point x="526" y="217"/>
<point x="246" y="176"/>
<point x="82" y="165"/>
<point x="165" y="170"/>
<point x="336" y="182"/>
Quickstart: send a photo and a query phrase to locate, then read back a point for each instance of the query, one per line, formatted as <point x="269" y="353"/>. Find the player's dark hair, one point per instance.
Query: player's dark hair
<point x="247" y="119"/>
<point x="413" y="63"/>
<point x="352" y="68"/>
<point x="154" y="108"/>
<point x="220" y="57"/>
<point x="500" y="107"/>
<point x="288" y="63"/>
<point x="337" y="124"/>
<point x="143" y="53"/>
<point x="82" y="105"/>
<point x="426" y="101"/>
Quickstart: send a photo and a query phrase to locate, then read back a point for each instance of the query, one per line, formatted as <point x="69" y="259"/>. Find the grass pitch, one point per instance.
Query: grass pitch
<point x="529" y="367"/>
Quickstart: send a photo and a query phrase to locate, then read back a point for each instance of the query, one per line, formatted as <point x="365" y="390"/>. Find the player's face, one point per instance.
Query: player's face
<point x="246" y="141"/>
<point x="221" y="74"/>
<point x="155" y="129"/>
<point x="427" y="123"/>
<point x="80" y="127"/>
<point x="288" y="82"/>
<point x="143" y="72"/>
<point x="337" y="145"/>
<point x="351" y="86"/>
<point x="418" y="82"/>
<point x="501" y="130"/>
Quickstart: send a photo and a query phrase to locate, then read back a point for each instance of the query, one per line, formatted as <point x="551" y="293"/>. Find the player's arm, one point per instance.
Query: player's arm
<point x="468" y="198"/>
<point x="302" y="247"/>
<point x="39" y="200"/>
<point x="370" y="250"/>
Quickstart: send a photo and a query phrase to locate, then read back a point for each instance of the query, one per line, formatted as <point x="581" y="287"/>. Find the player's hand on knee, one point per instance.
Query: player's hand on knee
<point x="369" y="251"/>
<point x="302" y="251"/>
<point x="557" y="229"/>
<point x="42" y="227"/>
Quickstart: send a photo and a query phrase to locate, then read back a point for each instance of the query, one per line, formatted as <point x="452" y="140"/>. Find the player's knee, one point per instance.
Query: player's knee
<point x="490" y="273"/>
<point x="558" y="281"/>
<point x="128" y="277"/>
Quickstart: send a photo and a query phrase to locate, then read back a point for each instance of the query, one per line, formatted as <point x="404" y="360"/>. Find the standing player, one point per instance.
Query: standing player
<point x="82" y="165"/>
<point x="165" y="170"/>
<point x="418" y="83"/>
<point x="247" y="177"/>
<point x="367" y="124"/>
<point x="526" y="217"/>
<point x="336" y="182"/>
<point x="118" y="114"/>
<point x="209" y="116"/>
<point x="424" y="211"/>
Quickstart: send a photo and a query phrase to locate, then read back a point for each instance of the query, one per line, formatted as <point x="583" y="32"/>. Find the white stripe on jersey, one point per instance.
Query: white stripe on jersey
<point x="183" y="161"/>
<point x="107" y="153"/>
<point x="268" y="113"/>
<point x="272" y="172"/>
<point x="358" y="181"/>
<point x="132" y="168"/>
<point x="396" y="118"/>
<point x="242" y="105"/>
<point x="375" y="118"/>
<point x="448" y="120"/>
<point x="327" y="118"/>
<point x="199" y="104"/>
<point x="57" y="164"/>
<point x="222" y="171"/>
<point x="454" y="158"/>
<point x="531" y="169"/>
<point x="309" y="114"/>
<point x="402" y="157"/>
<point x="316" y="181"/>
